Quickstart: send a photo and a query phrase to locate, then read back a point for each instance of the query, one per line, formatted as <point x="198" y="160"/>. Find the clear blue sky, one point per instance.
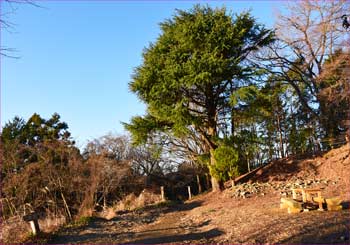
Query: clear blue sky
<point x="77" y="57"/>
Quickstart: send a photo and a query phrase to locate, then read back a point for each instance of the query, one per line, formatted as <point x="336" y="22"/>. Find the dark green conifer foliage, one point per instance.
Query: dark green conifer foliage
<point x="189" y="73"/>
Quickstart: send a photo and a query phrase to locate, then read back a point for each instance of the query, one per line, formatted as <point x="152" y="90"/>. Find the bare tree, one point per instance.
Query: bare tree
<point x="182" y="149"/>
<point x="115" y="147"/>
<point x="335" y="80"/>
<point x="8" y="25"/>
<point x="308" y="33"/>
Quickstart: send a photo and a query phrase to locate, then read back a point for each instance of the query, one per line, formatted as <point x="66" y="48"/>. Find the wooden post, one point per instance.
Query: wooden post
<point x="320" y="207"/>
<point x="162" y="193"/>
<point x="207" y="178"/>
<point x="35" y="226"/>
<point x="232" y="183"/>
<point x="294" y="194"/>
<point x="32" y="218"/>
<point x="248" y="164"/>
<point x="189" y="192"/>
<point x="304" y="196"/>
<point x="199" y="184"/>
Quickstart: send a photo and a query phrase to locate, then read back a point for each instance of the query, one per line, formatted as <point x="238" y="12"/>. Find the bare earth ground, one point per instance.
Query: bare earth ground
<point x="220" y="218"/>
<point x="214" y="218"/>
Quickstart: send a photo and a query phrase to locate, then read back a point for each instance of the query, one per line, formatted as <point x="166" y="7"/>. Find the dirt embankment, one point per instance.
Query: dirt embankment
<point x="333" y="166"/>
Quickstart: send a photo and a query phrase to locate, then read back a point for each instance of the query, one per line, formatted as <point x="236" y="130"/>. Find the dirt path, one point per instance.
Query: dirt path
<point x="174" y="227"/>
<point x="214" y="218"/>
<point x="147" y="226"/>
<point x="221" y="218"/>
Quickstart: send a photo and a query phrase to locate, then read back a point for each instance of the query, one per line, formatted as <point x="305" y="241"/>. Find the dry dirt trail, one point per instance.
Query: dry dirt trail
<point x="214" y="218"/>
<point x="148" y="226"/>
<point x="224" y="218"/>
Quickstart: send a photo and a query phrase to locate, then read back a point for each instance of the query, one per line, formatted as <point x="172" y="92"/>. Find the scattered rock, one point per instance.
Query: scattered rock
<point x="283" y="188"/>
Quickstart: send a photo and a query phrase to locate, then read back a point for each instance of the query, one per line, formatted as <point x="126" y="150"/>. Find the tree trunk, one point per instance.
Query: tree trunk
<point x="207" y="180"/>
<point x="199" y="184"/>
<point x="280" y="137"/>
<point x="232" y="123"/>
<point x="212" y="133"/>
<point x="215" y="183"/>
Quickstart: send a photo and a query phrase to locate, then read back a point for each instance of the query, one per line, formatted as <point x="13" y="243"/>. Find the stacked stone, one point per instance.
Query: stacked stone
<point x="284" y="188"/>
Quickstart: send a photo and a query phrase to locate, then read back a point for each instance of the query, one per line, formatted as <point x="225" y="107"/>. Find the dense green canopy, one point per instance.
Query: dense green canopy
<point x="188" y="75"/>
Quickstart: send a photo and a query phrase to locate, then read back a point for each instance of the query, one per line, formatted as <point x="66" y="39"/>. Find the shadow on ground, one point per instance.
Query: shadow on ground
<point x="180" y="238"/>
<point x="120" y="228"/>
<point x="323" y="231"/>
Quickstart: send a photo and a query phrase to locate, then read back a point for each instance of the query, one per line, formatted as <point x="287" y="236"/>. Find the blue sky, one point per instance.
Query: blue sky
<point x="77" y="57"/>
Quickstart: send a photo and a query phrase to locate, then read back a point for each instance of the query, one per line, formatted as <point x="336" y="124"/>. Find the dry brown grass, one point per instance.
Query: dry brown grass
<point x="132" y="201"/>
<point x="15" y="230"/>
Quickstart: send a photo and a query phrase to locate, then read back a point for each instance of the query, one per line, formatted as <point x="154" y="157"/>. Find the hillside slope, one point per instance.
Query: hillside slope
<point x="331" y="169"/>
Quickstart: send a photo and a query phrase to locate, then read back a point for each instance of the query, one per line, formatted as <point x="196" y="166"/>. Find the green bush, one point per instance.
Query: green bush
<point x="226" y="166"/>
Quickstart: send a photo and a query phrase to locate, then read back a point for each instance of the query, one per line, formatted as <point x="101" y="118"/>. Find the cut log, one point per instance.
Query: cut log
<point x="333" y="201"/>
<point x="283" y="205"/>
<point x="291" y="203"/>
<point x="335" y="208"/>
<point x="294" y="210"/>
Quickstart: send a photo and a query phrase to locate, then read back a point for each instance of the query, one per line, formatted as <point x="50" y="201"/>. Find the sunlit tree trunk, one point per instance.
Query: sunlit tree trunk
<point x="280" y="137"/>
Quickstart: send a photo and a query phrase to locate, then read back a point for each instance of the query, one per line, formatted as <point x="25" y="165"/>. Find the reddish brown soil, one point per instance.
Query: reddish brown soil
<point x="333" y="165"/>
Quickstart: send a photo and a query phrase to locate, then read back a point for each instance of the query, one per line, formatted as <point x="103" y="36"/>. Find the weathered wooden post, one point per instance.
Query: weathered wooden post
<point x="32" y="218"/>
<point x="199" y="184"/>
<point x="294" y="194"/>
<point x="232" y="183"/>
<point x="189" y="192"/>
<point x="207" y="178"/>
<point x="162" y="193"/>
<point x="248" y="161"/>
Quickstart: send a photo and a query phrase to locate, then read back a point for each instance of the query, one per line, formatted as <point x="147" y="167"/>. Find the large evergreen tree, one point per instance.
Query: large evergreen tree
<point x="188" y="75"/>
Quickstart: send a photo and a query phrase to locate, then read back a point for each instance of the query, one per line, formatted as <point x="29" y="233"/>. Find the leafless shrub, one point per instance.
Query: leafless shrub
<point x="132" y="201"/>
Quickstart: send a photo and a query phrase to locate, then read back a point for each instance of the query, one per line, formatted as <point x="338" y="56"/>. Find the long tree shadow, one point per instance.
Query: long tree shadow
<point x="118" y="237"/>
<point x="157" y="235"/>
<point x="180" y="238"/>
<point x="334" y="230"/>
